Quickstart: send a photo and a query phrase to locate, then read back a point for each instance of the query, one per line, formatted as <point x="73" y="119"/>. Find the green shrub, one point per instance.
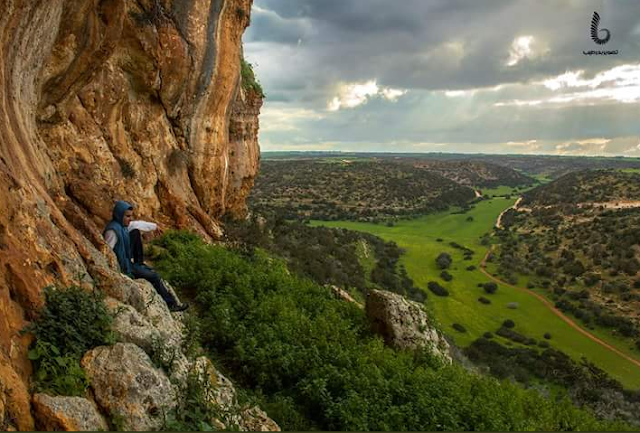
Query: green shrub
<point x="488" y="335"/>
<point x="458" y="327"/>
<point x="446" y="276"/>
<point x="71" y="322"/>
<point x="484" y="300"/>
<point x="249" y="81"/>
<point x="444" y="261"/>
<point x="547" y="336"/>
<point x="490" y="287"/>
<point x="437" y="289"/>
<point x="56" y="373"/>
<point x="508" y="323"/>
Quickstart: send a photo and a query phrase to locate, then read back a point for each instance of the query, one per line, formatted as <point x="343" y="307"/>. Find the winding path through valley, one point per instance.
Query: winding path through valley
<point x="548" y="304"/>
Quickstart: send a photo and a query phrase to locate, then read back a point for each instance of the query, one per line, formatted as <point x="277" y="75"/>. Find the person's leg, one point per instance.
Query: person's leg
<point x="152" y="276"/>
<point x="136" y="246"/>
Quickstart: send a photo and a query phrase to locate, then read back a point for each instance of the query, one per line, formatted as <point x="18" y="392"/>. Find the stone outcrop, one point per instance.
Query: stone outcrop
<point x="128" y="386"/>
<point x="67" y="414"/>
<point x="403" y="324"/>
<point x="220" y="392"/>
<point x="104" y="100"/>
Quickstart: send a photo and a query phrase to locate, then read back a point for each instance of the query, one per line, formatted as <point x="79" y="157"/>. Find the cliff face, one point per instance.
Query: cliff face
<point x="103" y="100"/>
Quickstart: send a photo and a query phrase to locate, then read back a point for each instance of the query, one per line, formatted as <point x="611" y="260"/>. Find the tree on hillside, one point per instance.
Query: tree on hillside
<point x="444" y="261"/>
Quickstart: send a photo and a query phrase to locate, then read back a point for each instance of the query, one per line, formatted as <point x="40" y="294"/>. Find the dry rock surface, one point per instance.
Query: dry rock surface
<point x="403" y="324"/>
<point x="67" y="414"/>
<point x="128" y="386"/>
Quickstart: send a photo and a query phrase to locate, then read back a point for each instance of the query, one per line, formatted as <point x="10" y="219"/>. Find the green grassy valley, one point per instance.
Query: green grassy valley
<point x="420" y="239"/>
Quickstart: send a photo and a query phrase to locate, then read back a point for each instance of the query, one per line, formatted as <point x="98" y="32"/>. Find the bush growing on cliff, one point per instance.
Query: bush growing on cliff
<point x="313" y="363"/>
<point x="249" y="81"/>
<point x="71" y="322"/>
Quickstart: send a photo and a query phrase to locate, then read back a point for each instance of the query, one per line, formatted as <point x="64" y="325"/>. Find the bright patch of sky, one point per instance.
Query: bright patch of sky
<point x="353" y="94"/>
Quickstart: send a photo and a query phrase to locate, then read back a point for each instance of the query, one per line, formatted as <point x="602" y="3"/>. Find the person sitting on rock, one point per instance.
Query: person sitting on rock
<point x="124" y="237"/>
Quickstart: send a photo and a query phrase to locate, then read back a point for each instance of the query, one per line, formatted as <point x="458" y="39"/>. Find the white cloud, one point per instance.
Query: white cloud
<point x="284" y="118"/>
<point x="458" y="93"/>
<point x="619" y="84"/>
<point x="520" y="48"/>
<point x="392" y="94"/>
<point x="351" y="95"/>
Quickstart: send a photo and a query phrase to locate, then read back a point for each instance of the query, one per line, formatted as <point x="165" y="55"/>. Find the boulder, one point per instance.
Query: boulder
<point x="67" y="414"/>
<point x="403" y="324"/>
<point x="220" y="393"/>
<point x="128" y="387"/>
<point x="161" y="342"/>
<point x="255" y="419"/>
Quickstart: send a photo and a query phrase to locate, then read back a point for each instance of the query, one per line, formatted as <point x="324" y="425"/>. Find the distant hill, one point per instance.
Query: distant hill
<point x="352" y="189"/>
<point x="590" y="186"/>
<point x="579" y="236"/>
<point x="476" y="173"/>
<point x="552" y="166"/>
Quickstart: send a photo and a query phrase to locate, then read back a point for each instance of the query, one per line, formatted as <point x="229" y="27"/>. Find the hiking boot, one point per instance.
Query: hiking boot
<point x="178" y="307"/>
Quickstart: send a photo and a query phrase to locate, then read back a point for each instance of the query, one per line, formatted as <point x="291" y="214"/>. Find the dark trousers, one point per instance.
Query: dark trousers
<point x="140" y="270"/>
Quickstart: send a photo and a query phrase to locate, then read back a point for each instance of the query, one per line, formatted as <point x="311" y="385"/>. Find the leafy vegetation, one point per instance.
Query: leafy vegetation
<point x="579" y="244"/>
<point x="363" y="191"/>
<point x="249" y="81"/>
<point x="587" y="384"/>
<point x="326" y="255"/>
<point x="314" y="364"/>
<point x="593" y="186"/>
<point x="71" y="322"/>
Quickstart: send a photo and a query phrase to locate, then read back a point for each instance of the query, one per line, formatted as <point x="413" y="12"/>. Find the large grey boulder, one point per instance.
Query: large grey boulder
<point x="67" y="414"/>
<point x="403" y="324"/>
<point x="128" y="386"/>
<point x="162" y="342"/>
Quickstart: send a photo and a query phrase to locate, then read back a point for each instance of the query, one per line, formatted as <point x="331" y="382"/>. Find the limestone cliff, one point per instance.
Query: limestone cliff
<point x="103" y="100"/>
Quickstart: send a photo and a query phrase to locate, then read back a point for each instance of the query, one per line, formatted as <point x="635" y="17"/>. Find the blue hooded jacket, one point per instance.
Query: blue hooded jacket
<point x="122" y="247"/>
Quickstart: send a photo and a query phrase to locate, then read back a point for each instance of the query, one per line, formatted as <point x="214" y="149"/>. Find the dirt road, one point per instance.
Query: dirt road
<point x="557" y="312"/>
<point x="499" y="220"/>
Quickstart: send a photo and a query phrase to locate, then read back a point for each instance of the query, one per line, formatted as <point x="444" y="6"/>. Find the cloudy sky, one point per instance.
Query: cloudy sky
<point x="469" y="76"/>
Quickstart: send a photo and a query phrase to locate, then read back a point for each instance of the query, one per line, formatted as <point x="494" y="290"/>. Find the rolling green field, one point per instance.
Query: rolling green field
<point x="419" y="238"/>
<point x="499" y="191"/>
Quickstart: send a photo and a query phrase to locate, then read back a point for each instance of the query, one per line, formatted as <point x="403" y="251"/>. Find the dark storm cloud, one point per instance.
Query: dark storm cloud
<point x="305" y="49"/>
<point x="404" y="43"/>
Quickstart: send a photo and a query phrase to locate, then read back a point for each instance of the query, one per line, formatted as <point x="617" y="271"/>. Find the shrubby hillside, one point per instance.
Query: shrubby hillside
<point x="354" y="190"/>
<point x="590" y="186"/>
<point x="312" y="362"/>
<point x="354" y="261"/>
<point x="475" y="173"/>
<point x="576" y="238"/>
